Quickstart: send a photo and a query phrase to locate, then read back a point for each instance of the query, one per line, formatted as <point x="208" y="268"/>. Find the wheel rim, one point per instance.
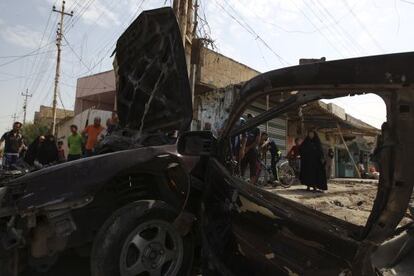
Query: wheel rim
<point x="153" y="248"/>
<point x="287" y="176"/>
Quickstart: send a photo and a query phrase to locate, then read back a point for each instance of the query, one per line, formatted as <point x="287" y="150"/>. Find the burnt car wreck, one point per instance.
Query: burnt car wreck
<point x="149" y="206"/>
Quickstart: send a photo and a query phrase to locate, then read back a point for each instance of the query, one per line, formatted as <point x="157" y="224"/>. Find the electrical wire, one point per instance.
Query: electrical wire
<point x="83" y="63"/>
<point x="32" y="53"/>
<point x="254" y="34"/>
<point x="77" y="17"/>
<point x="104" y="51"/>
<point x="408" y="2"/>
<point x="354" y="44"/>
<point x="331" y="32"/>
<point x="363" y="26"/>
<point x="40" y="43"/>
<point x="319" y="31"/>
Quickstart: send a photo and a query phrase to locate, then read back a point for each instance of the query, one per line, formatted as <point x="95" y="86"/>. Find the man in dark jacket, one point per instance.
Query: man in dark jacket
<point x="14" y="144"/>
<point x="269" y="145"/>
<point x="248" y="152"/>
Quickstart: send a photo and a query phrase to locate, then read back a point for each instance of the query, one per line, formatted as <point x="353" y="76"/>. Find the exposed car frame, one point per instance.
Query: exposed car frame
<point x="243" y="230"/>
<point x="346" y="248"/>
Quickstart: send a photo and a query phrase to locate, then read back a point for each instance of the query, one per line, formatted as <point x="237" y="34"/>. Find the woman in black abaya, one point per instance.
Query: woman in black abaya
<point x="312" y="163"/>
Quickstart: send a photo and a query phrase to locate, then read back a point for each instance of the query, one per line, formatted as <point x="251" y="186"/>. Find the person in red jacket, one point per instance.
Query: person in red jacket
<point x="293" y="156"/>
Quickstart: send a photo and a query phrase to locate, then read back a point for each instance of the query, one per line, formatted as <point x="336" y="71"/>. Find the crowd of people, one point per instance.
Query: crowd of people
<point x="305" y="157"/>
<point x="249" y="149"/>
<point x="46" y="150"/>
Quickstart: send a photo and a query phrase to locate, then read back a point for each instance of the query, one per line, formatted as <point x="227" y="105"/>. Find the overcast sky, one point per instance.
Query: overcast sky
<point x="263" y="34"/>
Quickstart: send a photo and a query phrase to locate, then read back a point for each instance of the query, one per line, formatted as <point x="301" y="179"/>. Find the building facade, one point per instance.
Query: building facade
<point x="218" y="77"/>
<point x="45" y="115"/>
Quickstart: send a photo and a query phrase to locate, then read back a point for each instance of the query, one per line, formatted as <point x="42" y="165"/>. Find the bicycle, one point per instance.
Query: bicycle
<point x="286" y="174"/>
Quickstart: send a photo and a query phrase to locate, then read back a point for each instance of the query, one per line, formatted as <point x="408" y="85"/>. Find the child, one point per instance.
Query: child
<point x="61" y="152"/>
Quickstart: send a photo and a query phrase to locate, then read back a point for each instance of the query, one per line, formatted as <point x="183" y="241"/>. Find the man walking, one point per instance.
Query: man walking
<point x="74" y="144"/>
<point x="249" y="154"/>
<point x="14" y="144"/>
<point x="269" y="145"/>
<point x="92" y="132"/>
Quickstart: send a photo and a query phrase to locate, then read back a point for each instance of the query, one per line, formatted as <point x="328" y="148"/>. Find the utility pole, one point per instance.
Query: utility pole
<point x="186" y="13"/>
<point x="59" y="34"/>
<point x="194" y="64"/>
<point x="26" y="96"/>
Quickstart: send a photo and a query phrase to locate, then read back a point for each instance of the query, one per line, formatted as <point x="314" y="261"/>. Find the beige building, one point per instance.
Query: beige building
<point x="218" y="71"/>
<point x="218" y="78"/>
<point x="95" y="92"/>
<point x="45" y="114"/>
<point x="214" y="71"/>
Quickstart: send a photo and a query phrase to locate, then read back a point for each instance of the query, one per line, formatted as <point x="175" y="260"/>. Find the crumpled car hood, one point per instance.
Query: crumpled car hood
<point x="153" y="90"/>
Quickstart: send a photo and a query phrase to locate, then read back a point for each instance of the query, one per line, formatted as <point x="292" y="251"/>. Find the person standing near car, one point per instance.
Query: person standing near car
<point x="48" y="151"/>
<point x="14" y="144"/>
<point x="112" y="123"/>
<point x="293" y="156"/>
<point x="267" y="144"/>
<point x="92" y="132"/>
<point x="329" y="163"/>
<point x="61" y="152"/>
<point x="249" y="154"/>
<point x="312" y="165"/>
<point x="75" y="141"/>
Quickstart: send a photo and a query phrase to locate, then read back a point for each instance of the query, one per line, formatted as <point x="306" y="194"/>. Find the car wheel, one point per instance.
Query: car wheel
<point x="286" y="175"/>
<point x="140" y="239"/>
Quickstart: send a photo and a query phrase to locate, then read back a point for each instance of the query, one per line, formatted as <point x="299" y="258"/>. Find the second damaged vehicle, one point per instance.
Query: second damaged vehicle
<point x="120" y="206"/>
<point x="142" y="208"/>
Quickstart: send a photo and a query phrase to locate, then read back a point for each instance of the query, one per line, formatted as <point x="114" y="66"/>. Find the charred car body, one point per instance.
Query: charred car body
<point x="147" y="209"/>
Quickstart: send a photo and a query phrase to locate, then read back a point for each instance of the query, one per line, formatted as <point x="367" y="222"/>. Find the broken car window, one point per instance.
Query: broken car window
<point x="317" y="154"/>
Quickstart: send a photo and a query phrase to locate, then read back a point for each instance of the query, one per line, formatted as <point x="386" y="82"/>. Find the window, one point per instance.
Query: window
<point x="320" y="143"/>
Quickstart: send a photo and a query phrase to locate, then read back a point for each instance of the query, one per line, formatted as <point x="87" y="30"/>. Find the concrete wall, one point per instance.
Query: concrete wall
<point x="45" y="114"/>
<point x="218" y="71"/>
<point x="214" y="107"/>
<point x="96" y="91"/>
<point x="95" y="84"/>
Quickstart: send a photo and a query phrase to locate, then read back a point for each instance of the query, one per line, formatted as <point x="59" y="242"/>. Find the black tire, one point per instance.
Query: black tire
<point x="286" y="175"/>
<point x="114" y="239"/>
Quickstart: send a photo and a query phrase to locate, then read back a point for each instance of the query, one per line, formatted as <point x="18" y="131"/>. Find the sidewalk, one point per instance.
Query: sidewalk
<point x="353" y="180"/>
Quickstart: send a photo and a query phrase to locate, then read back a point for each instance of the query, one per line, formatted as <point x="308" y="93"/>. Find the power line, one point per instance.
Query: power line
<point x="319" y="31"/>
<point x="80" y="59"/>
<point x="40" y="64"/>
<point x="332" y="32"/>
<point x="315" y="30"/>
<point x="27" y="55"/>
<point x="352" y="42"/>
<point x="408" y="2"/>
<point x="80" y="14"/>
<point x="40" y="43"/>
<point x="363" y="26"/>
<point x="32" y="53"/>
<point x="254" y="34"/>
<point x="108" y="46"/>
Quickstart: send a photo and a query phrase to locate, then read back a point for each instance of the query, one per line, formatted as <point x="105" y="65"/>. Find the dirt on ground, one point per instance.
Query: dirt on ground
<point x="350" y="200"/>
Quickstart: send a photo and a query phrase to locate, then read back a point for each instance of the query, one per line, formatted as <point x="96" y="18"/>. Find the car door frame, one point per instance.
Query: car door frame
<point x="388" y="76"/>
